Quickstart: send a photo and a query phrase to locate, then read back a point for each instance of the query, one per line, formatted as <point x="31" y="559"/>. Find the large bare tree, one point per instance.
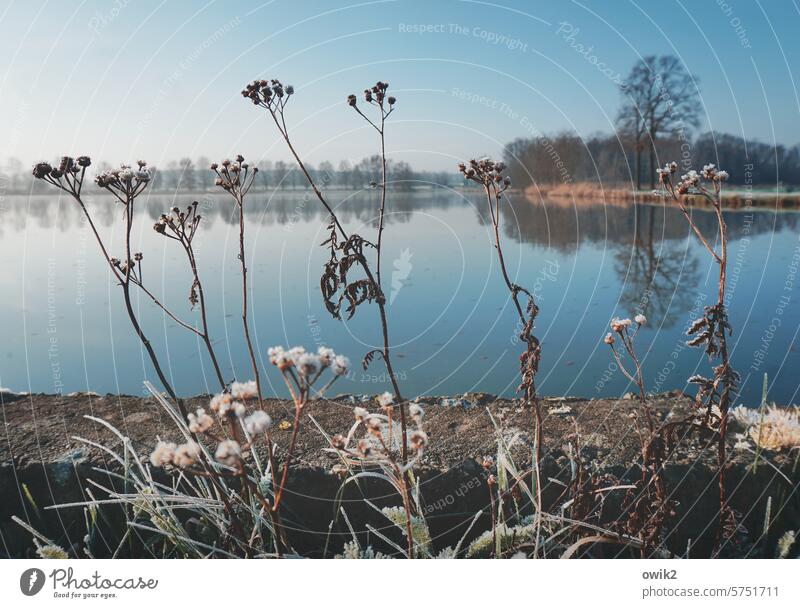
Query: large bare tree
<point x="659" y="98"/>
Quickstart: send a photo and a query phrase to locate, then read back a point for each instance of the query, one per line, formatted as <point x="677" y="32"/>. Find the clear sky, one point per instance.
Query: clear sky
<point x="128" y="79"/>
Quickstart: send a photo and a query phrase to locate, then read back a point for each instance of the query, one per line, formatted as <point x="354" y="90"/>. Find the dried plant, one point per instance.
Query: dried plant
<point x="371" y="444"/>
<point x="347" y="251"/>
<point x="236" y="178"/>
<point x="233" y="438"/>
<point x="647" y="505"/>
<point x="774" y="429"/>
<point x="181" y="226"/>
<point x="711" y="330"/>
<point x="490" y="175"/>
<point x="125" y="184"/>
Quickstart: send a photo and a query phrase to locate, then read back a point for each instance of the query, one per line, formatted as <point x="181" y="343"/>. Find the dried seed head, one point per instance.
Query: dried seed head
<point x="619" y="325"/>
<point x="364" y="448"/>
<point x="351" y="100"/>
<point x="228" y="452"/>
<point x="224" y="405"/>
<point x="373" y="424"/>
<point x="244" y="390"/>
<point x="340" y="365"/>
<point x="200" y="421"/>
<point x="186" y="454"/>
<point x="163" y="454"/>
<point x="416" y="412"/>
<point x="258" y="422"/>
<point x="42" y="169"/>
<point x="609" y="339"/>
<point x="418" y="440"/>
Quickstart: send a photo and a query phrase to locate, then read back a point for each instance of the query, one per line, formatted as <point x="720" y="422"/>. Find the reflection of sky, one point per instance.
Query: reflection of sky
<point x="450" y="321"/>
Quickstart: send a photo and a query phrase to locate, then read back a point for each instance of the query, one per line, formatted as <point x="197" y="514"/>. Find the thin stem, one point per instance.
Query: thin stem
<point x="245" y="323"/>
<point x="203" y="317"/>
<point x="279" y="120"/>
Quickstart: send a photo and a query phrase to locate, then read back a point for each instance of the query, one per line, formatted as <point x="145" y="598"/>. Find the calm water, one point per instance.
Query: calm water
<point x="63" y="327"/>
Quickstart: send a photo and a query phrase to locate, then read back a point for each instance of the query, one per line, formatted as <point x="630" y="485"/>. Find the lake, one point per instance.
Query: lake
<point x="451" y="322"/>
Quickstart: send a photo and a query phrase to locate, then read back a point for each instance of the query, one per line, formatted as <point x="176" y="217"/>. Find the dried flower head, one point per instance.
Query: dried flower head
<point x="68" y="175"/>
<point x="270" y="94"/>
<point x="186" y="454"/>
<point x="224" y="405"/>
<point x="258" y="422"/>
<point x="244" y="390"/>
<point x="200" y="421"/>
<point x="620" y="325"/>
<point x="385" y="399"/>
<point x="236" y="178"/>
<point x="416" y="412"/>
<point x="340" y="365"/>
<point x="640" y="319"/>
<point x="279" y="357"/>
<point x="162" y="454"/>
<point x="51" y="552"/>
<point x="418" y="440"/>
<point x="229" y="452"/>
<point x="360" y="413"/>
<point x="373" y="424"/>
<point x="125" y="183"/>
<point x="488" y="173"/>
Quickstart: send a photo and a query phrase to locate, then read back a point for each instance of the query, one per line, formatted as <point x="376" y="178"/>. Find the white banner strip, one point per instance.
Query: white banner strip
<point x="399" y="583"/>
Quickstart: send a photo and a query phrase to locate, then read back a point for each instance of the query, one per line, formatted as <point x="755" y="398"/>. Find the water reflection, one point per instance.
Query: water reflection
<point x="451" y="321"/>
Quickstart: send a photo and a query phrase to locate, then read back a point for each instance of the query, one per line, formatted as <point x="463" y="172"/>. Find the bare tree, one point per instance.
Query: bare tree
<point x="659" y="98"/>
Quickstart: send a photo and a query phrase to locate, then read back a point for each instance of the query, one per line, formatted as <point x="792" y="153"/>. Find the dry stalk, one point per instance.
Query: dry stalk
<point x="347" y="251"/>
<point x="713" y="329"/>
<point x="490" y="175"/>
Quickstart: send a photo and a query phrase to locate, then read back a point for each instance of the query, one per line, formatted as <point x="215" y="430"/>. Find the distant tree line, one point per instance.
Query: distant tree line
<point x="659" y="112"/>
<point x="187" y="174"/>
<point x="610" y="159"/>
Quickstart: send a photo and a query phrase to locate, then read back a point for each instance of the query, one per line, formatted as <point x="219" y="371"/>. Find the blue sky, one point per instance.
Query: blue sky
<point x="160" y="79"/>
